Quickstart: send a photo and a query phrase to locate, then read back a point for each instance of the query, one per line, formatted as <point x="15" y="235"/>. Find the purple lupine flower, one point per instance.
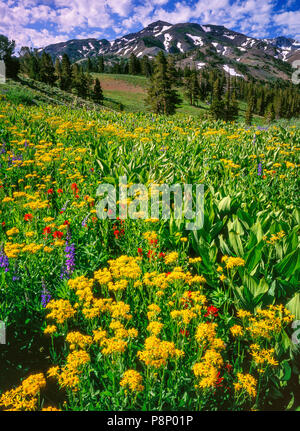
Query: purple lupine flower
<point x="259" y="169"/>
<point x="65" y="206"/>
<point x="4" y="262"/>
<point x="3" y="149"/>
<point x="15" y="158"/>
<point x="163" y="149"/>
<point x="25" y="144"/>
<point x="70" y="258"/>
<point x="262" y="128"/>
<point x="83" y="224"/>
<point x="16" y="273"/>
<point x="45" y="296"/>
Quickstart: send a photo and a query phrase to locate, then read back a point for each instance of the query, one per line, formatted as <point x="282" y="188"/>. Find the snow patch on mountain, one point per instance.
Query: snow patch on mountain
<point x="167" y="41"/>
<point x="230" y="36"/>
<point x="179" y="46"/>
<point x="165" y="28"/>
<point x="231" y="71"/>
<point x="197" y="39"/>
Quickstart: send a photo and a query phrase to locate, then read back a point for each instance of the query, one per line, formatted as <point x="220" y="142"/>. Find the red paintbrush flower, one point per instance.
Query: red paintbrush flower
<point x="58" y="234"/>
<point x="219" y="380"/>
<point x="211" y="311"/>
<point x="28" y="217"/>
<point x="46" y="230"/>
<point x="185" y="332"/>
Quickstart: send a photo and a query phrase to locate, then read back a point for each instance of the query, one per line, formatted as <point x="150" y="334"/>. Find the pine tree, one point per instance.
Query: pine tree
<point x="217" y="106"/>
<point x="146" y="66"/>
<point x="7" y="47"/>
<point x="249" y="111"/>
<point x="101" y="64"/>
<point x="12" y="64"/>
<point x="232" y="110"/>
<point x="192" y="88"/>
<point x="171" y="70"/>
<point x="97" y="94"/>
<point x="89" y="66"/>
<point x="80" y="81"/>
<point x="47" y="71"/>
<point x="162" y="97"/>
<point x="65" y="82"/>
<point x="58" y="69"/>
<point x="134" y="65"/>
<point x="270" y="113"/>
<point x="75" y="77"/>
<point x="30" y="63"/>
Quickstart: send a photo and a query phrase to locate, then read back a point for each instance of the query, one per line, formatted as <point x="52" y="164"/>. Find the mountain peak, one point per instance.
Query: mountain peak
<point x="158" y="24"/>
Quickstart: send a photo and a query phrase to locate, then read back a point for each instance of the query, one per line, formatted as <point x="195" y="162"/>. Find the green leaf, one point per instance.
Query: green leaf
<point x="289" y="264"/>
<point x="254" y="256"/>
<point x="294" y="306"/>
<point x="224" y="205"/>
<point x="236" y="243"/>
<point x="287" y="371"/>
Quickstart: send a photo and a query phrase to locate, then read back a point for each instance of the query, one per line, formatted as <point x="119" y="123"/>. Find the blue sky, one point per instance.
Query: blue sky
<point x="41" y="22"/>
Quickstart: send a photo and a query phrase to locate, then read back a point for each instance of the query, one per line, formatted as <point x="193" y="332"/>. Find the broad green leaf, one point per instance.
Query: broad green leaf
<point x="294" y="306"/>
<point x="289" y="264"/>
<point x="254" y="256"/>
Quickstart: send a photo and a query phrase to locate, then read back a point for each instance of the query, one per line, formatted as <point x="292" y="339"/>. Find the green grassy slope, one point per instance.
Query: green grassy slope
<point x="126" y="90"/>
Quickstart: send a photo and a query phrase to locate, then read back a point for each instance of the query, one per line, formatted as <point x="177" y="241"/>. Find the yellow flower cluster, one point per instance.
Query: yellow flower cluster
<point x="150" y="235"/>
<point x="50" y="329"/>
<point x="246" y="383"/>
<point x="183" y="316"/>
<point x="232" y="262"/>
<point x="125" y="267"/>
<point x="263" y="356"/>
<point x="156" y="352"/>
<point x="206" y="371"/>
<point x="132" y="379"/>
<point x="237" y="330"/>
<point x="61" y="310"/>
<point x="153" y="312"/>
<point x="206" y="336"/>
<point x="171" y="257"/>
<point x="12" y="231"/>
<point x="78" y="340"/>
<point x="24" y="397"/>
<point x="273" y="238"/>
<point x="269" y="321"/>
<point x="195" y="260"/>
<point x="69" y="375"/>
<point x="155" y="327"/>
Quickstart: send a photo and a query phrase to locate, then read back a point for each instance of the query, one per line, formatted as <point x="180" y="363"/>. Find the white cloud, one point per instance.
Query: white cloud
<point x="40" y="22"/>
<point x="290" y="22"/>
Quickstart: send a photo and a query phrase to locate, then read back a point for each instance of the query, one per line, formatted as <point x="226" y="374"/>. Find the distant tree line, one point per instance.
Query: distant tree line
<point x="68" y="77"/>
<point x="220" y="92"/>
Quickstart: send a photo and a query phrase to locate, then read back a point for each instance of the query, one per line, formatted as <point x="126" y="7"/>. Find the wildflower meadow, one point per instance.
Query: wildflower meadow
<point x="143" y="314"/>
